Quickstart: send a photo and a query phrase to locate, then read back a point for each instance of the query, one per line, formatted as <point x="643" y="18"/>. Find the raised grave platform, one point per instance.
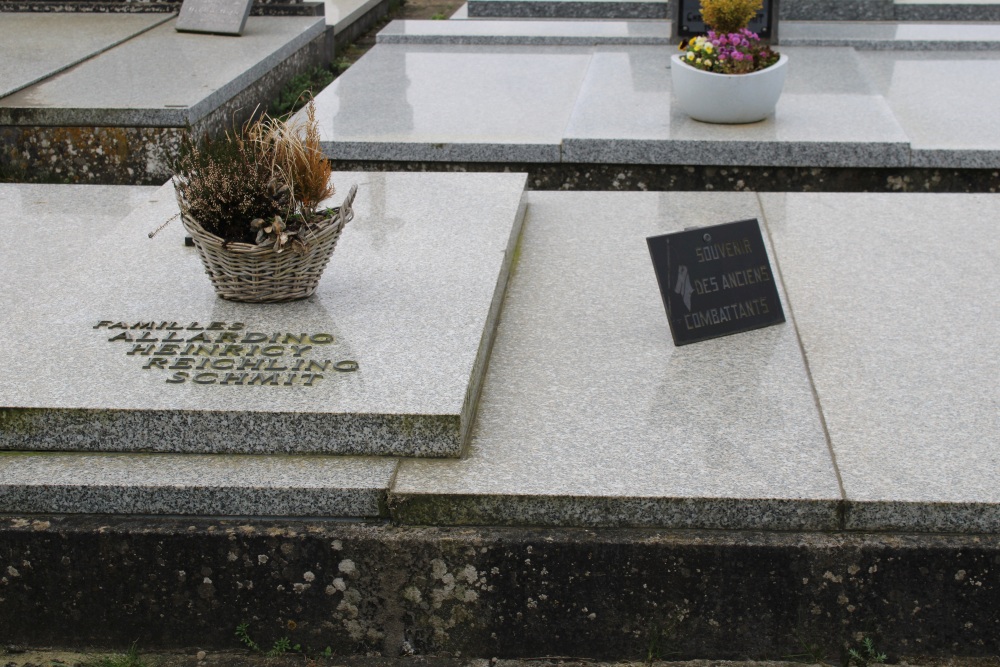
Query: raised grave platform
<point x="864" y="411"/>
<point x="816" y="480"/>
<point x="460" y="96"/>
<point x="118" y="113"/>
<point x="385" y="359"/>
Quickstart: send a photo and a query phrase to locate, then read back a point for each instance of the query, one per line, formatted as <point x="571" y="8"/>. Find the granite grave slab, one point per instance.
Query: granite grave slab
<point x="386" y="358"/>
<point x="162" y="78"/>
<point x="418" y="102"/>
<point x="35" y="46"/>
<point x="943" y="101"/>
<point x="896" y="302"/>
<point x="591" y="417"/>
<point x="829" y="115"/>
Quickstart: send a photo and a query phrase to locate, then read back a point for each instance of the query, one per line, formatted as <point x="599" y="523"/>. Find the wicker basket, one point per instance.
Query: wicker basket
<point x="258" y="274"/>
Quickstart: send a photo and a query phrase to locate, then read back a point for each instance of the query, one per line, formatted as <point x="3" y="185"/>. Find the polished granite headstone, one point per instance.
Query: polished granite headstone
<point x="385" y="358"/>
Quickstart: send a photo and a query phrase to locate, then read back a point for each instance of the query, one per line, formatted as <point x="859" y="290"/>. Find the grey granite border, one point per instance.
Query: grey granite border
<point x="897" y="44"/>
<point x="946" y="11"/>
<point x="194" y="501"/>
<point x="259" y="8"/>
<point x="616" y="512"/>
<point x="721" y="178"/>
<point x="478" y="375"/>
<point x="519" y="40"/>
<point x="837" y="10"/>
<point x="738" y="153"/>
<point x="922" y="517"/>
<point x="51" y="429"/>
<point x="568" y="9"/>
<point x="440" y="152"/>
<point x="955" y="159"/>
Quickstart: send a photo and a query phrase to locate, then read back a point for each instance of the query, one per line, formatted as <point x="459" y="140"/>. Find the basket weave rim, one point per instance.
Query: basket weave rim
<point x="326" y="226"/>
<point x="338" y="218"/>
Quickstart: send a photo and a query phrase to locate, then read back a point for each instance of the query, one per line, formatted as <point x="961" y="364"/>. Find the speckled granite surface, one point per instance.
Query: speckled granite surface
<point x="548" y="32"/>
<point x="494" y="103"/>
<point x="896" y="302"/>
<point x="829" y="115"/>
<point x="452" y="103"/>
<point x="591" y="417"/>
<point x="145" y="357"/>
<point x="35" y="46"/>
<point x="569" y="9"/>
<point x="194" y="74"/>
<point x="940" y="99"/>
<point x="894" y="299"/>
<point x="201" y="485"/>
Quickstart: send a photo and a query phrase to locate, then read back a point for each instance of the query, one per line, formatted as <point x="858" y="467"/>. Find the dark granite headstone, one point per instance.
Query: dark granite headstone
<point x="687" y="21"/>
<point x="222" y="17"/>
<point x="715" y="281"/>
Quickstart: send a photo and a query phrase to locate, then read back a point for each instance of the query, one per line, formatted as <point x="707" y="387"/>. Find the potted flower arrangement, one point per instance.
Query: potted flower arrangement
<point x="729" y="75"/>
<point x="251" y="202"/>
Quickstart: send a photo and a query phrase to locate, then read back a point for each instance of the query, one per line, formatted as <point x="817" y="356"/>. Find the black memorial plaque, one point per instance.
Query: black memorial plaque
<point x="689" y="23"/>
<point x="715" y="281"/>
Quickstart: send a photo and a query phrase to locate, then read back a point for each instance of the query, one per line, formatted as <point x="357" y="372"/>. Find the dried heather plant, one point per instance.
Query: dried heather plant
<point x="272" y="170"/>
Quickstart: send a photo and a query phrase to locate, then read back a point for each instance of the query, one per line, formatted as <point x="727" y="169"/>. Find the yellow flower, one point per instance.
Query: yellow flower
<point x="708" y="48"/>
<point x="708" y="63"/>
<point x="690" y="56"/>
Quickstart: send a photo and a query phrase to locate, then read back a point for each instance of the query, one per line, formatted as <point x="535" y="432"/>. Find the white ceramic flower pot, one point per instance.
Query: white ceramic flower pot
<point x="727" y="98"/>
